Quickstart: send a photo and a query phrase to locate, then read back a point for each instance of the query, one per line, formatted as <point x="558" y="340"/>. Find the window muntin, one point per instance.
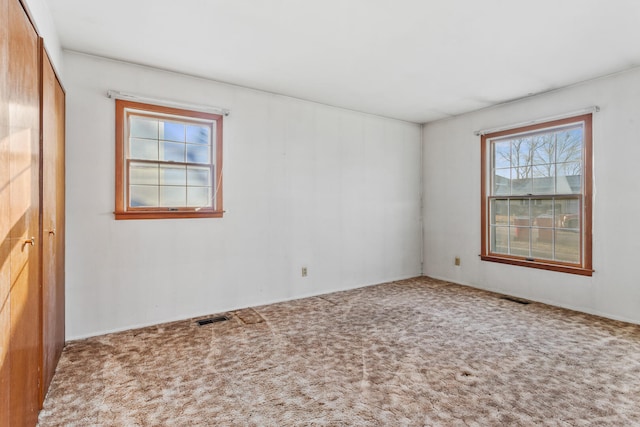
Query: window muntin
<point x="536" y="196"/>
<point x="168" y="162"/>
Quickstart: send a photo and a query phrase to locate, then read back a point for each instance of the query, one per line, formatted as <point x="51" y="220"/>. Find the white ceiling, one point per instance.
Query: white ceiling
<point x="417" y="60"/>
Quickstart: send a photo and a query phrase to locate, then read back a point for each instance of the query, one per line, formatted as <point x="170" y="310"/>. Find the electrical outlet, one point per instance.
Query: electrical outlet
<point x="304" y="271"/>
<point x="457" y="261"/>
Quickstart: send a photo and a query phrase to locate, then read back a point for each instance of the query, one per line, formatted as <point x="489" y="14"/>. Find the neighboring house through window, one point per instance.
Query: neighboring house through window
<point x="168" y="162"/>
<point x="536" y="195"/>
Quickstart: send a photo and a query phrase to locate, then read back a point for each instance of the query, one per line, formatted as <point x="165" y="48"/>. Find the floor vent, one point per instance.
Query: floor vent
<point x="515" y="299"/>
<point x="211" y="320"/>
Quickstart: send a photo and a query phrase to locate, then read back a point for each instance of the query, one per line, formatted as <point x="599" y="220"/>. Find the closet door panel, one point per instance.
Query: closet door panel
<point x="5" y="328"/>
<point x="24" y="184"/>
<point x="52" y="221"/>
<point x="5" y="227"/>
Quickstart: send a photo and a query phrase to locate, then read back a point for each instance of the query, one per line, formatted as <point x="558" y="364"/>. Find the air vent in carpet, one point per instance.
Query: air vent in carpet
<point x="211" y="320"/>
<point x="515" y="299"/>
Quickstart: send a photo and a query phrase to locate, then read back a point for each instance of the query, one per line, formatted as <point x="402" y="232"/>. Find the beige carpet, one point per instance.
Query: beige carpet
<point x="409" y="353"/>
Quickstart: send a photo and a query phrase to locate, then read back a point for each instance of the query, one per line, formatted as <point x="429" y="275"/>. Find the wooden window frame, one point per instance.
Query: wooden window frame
<point x="585" y="266"/>
<point x="122" y="208"/>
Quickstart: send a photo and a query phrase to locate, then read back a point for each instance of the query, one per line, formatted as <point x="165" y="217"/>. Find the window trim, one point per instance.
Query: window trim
<point x="121" y="212"/>
<point x="586" y="268"/>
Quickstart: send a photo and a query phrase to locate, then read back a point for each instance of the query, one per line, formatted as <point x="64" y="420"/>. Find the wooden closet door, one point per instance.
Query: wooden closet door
<point x="24" y="196"/>
<point x="53" y="106"/>
<point x="5" y="223"/>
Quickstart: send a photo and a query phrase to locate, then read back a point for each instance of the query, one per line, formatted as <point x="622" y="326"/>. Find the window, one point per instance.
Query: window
<point x="536" y="196"/>
<point x="168" y="162"/>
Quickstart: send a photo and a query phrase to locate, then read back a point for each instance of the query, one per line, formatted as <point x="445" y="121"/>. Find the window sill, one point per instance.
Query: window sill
<point x="563" y="268"/>
<point x="167" y="215"/>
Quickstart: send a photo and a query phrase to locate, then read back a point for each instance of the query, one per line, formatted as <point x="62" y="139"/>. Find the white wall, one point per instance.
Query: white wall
<point x="41" y="14"/>
<point x="304" y="185"/>
<point x="452" y="201"/>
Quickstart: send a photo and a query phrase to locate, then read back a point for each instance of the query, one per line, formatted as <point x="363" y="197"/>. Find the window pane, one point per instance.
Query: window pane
<point x="502" y="154"/>
<point x="569" y="145"/>
<point x="502" y="182"/>
<point x="143" y="196"/>
<point x="500" y="212"/>
<point x="545" y="228"/>
<point x="544" y="152"/>
<point x="173" y="175"/>
<point x="199" y="197"/>
<point x="519" y="241"/>
<point x="542" y="233"/>
<point x="499" y="240"/>
<point x="199" y="176"/>
<point x="568" y="246"/>
<point x="521" y="152"/>
<point x="172" y="152"/>
<point x="198" y="134"/>
<point x="544" y="179"/>
<point x="171" y="131"/>
<point x="198" y="154"/>
<point x="143" y="127"/>
<point x="141" y="173"/>
<point x="173" y="196"/>
<point x="542" y="243"/>
<point x="542" y="211"/>
<point x="519" y="212"/>
<point x="569" y="179"/>
<point x="521" y="182"/>
<point x="568" y="214"/>
<point x="143" y="149"/>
